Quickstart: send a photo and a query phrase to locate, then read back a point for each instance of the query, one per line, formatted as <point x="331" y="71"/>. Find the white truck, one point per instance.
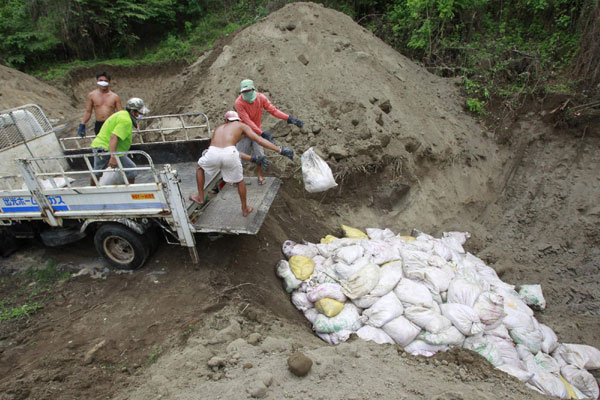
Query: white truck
<point x="46" y="189"/>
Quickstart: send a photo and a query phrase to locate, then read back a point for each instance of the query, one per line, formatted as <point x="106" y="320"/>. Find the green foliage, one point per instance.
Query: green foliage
<point x="154" y="355"/>
<point x="8" y="313"/>
<point x="475" y="106"/>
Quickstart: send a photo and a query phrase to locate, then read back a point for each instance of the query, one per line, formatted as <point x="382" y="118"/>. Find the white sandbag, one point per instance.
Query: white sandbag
<point x="463" y="292"/>
<point x="512" y="301"/>
<point x="411" y="292"/>
<point x="316" y="174"/>
<point x="499" y="331"/>
<point x="530" y="338"/>
<point x="579" y="355"/>
<point x="532" y="296"/>
<point x="463" y="317"/>
<point x="414" y="259"/>
<point x="380" y="234"/>
<point x="347" y="319"/>
<point x="460" y="237"/>
<point x="547" y="363"/>
<point x="436" y="261"/>
<point x="289" y="279"/>
<point x="300" y="300"/>
<point x="449" y="336"/>
<point x="422" y="348"/>
<point x="453" y="243"/>
<point x="484" y="347"/>
<point x="291" y="248"/>
<point x="384" y="310"/>
<point x="323" y="272"/>
<point x="427" y="318"/>
<point x="518" y="373"/>
<point x="516" y="319"/>
<point x="326" y="290"/>
<point x="335" y="337"/>
<point x="389" y="276"/>
<point x="311" y="314"/>
<point x="401" y="330"/>
<point x="582" y="380"/>
<point x="490" y="308"/>
<point x="348" y="254"/>
<point x="549" y="385"/>
<point x="112" y="176"/>
<point x="549" y="339"/>
<point x="442" y="250"/>
<point x="380" y="251"/>
<point x="365" y="301"/>
<point x="437" y="280"/>
<point x="327" y="249"/>
<point x="345" y="271"/>
<point x="362" y="282"/>
<point x="372" y="334"/>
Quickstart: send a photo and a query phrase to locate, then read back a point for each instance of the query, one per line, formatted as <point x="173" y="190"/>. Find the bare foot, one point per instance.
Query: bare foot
<point x="247" y="211"/>
<point x="261" y="180"/>
<point x="196" y="199"/>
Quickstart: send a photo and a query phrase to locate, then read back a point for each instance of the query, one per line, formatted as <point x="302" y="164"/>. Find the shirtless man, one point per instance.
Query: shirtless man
<point x="103" y="101"/>
<point x="223" y="156"/>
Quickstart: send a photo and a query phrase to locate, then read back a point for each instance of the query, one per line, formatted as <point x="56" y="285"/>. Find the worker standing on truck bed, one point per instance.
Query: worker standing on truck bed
<point x="223" y="156"/>
<point x="250" y="105"/>
<point x="102" y="101"/>
<point x="115" y="135"/>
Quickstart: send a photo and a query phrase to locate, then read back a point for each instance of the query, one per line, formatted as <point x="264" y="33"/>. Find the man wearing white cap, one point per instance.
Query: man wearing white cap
<point x="250" y="105"/>
<point x="102" y="101"/>
<point x="223" y="156"/>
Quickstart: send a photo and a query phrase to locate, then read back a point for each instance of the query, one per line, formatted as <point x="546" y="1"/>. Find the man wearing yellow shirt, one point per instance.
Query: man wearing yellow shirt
<point x="115" y="136"/>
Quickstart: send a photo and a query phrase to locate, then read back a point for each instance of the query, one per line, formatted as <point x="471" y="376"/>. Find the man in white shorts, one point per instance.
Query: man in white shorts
<point x="223" y="156"/>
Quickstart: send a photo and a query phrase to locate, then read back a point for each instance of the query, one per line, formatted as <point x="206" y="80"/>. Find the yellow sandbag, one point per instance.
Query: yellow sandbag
<point x="408" y="238"/>
<point x="328" y="239"/>
<point x="353" y="233"/>
<point x="329" y="307"/>
<point x="302" y="266"/>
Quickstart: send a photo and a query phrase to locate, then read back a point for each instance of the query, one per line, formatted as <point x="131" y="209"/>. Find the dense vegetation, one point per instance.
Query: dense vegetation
<point x="497" y="47"/>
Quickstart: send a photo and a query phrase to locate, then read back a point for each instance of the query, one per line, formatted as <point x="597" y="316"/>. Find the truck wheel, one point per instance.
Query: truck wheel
<point x="121" y="247"/>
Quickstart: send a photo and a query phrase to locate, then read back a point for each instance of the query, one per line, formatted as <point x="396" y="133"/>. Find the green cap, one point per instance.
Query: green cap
<point x="246" y="84"/>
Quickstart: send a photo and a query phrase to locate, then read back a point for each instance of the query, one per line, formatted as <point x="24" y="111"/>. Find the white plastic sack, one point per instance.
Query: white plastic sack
<point x="347" y="319"/>
<point x="460" y="237"/>
<point x="518" y="373"/>
<point x="311" y="314"/>
<point x="300" y="300"/>
<point x="335" y="337"/>
<point x="490" y="308"/>
<point x="582" y="380"/>
<point x="326" y="290"/>
<point x="289" y="280"/>
<point x="381" y="252"/>
<point x="427" y="318"/>
<point x="372" y="334"/>
<point x="365" y="301"/>
<point x="463" y="292"/>
<point x="111" y="177"/>
<point x="362" y="282"/>
<point x="579" y="355"/>
<point x="549" y="339"/>
<point x="548" y="384"/>
<point x="463" y="317"/>
<point x="411" y="292"/>
<point x="422" y="348"/>
<point x="291" y="248"/>
<point x="532" y="295"/>
<point x="487" y="349"/>
<point x="345" y="271"/>
<point x="546" y="362"/>
<point x="401" y="330"/>
<point x="348" y="254"/>
<point x="506" y="349"/>
<point x="530" y="338"/>
<point x="449" y="336"/>
<point x="380" y="234"/>
<point x="499" y="331"/>
<point x="384" y="310"/>
<point x="316" y="173"/>
<point x="389" y="276"/>
<point x="516" y="319"/>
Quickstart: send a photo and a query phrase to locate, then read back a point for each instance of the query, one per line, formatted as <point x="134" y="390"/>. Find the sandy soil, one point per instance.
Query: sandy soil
<point x="405" y="154"/>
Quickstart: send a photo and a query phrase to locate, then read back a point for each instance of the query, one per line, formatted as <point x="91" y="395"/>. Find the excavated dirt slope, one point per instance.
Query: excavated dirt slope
<point x="405" y="154"/>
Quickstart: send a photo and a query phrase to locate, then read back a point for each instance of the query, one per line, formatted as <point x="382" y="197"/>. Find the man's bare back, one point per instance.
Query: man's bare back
<point x="104" y="103"/>
<point x="230" y="133"/>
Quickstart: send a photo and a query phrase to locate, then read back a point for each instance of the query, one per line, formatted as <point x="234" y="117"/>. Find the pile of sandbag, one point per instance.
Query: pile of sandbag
<point x="428" y="294"/>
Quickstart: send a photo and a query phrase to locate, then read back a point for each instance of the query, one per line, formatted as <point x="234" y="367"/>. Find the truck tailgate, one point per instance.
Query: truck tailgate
<point x="224" y="211"/>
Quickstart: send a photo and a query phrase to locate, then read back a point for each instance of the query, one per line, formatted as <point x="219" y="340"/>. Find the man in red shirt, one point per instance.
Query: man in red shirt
<point x="250" y="105"/>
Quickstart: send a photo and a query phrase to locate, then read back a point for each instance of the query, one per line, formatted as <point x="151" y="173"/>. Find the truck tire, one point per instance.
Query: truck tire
<point x="121" y="247"/>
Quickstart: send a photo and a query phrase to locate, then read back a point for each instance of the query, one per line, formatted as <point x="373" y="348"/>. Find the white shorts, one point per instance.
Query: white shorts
<point x="249" y="146"/>
<point x="224" y="159"/>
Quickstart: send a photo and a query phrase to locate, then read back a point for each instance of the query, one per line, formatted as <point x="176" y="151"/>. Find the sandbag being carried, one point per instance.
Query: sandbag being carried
<point x="316" y="173"/>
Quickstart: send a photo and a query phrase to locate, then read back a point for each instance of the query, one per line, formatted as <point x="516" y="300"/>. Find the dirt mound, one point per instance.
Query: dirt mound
<point x="19" y="89"/>
<point x="405" y="155"/>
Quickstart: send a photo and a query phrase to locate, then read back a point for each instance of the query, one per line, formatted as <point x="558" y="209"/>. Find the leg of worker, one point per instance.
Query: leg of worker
<point x="199" y="197"/>
<point x="246" y="209"/>
<point x="100" y="162"/>
<point x="127" y="162"/>
<point x="258" y="150"/>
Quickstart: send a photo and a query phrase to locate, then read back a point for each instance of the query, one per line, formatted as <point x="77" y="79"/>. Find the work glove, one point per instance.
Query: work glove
<point x="267" y="135"/>
<point x="260" y="161"/>
<point x="81" y="130"/>
<point x="287" y="152"/>
<point x="298" y="122"/>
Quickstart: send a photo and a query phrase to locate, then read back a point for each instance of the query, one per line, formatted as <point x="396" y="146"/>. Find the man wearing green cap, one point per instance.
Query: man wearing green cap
<point x="250" y="105"/>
